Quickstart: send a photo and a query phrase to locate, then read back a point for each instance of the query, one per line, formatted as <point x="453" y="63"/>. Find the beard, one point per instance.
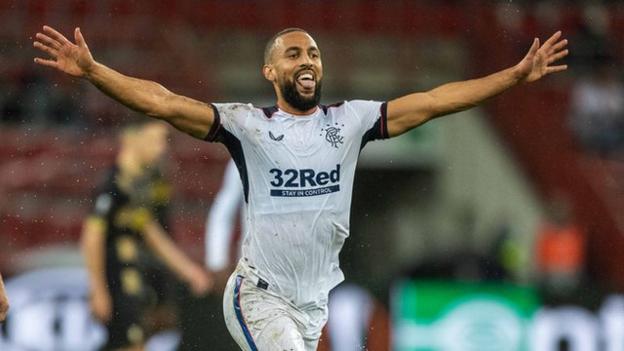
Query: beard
<point x="298" y="101"/>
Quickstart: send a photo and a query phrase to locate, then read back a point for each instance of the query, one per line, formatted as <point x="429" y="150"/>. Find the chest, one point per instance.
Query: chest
<point x="308" y="139"/>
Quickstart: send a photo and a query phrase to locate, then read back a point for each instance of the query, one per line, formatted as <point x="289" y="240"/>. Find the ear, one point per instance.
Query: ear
<point x="268" y="73"/>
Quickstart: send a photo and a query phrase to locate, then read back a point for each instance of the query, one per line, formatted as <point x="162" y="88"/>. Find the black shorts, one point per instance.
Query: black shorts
<point x="126" y="327"/>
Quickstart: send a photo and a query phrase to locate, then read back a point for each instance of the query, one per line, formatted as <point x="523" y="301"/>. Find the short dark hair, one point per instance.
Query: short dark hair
<point x="269" y="46"/>
<point x="136" y="126"/>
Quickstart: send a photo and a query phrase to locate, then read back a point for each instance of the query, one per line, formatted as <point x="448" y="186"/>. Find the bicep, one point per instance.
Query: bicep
<point x="408" y="112"/>
<point x="188" y="115"/>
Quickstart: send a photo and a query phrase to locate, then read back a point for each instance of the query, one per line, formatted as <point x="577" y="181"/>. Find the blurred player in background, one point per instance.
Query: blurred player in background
<point x="4" y="301"/>
<point x="122" y="232"/>
<point x="297" y="162"/>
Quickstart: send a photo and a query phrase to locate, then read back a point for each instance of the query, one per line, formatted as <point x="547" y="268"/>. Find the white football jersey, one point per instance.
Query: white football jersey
<point x="297" y="174"/>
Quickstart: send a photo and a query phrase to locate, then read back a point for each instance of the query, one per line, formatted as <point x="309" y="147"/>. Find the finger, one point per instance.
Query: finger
<point x="559" y="45"/>
<point x="552" y="40"/>
<point x="50" y="51"/>
<point x="557" y="56"/>
<point x="79" y="38"/>
<point x="555" y="69"/>
<point x="55" y="35"/>
<point x="47" y="40"/>
<point x="534" y="47"/>
<point x="44" y="62"/>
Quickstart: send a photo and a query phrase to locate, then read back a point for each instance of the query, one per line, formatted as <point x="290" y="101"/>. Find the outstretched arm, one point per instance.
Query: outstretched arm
<point x="4" y="301"/>
<point x="412" y="110"/>
<point x="188" y="115"/>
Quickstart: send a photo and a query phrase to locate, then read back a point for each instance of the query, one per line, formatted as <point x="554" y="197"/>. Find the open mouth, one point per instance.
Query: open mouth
<point x="306" y="80"/>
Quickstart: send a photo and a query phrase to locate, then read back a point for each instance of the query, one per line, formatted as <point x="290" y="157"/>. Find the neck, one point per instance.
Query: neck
<point x="288" y="108"/>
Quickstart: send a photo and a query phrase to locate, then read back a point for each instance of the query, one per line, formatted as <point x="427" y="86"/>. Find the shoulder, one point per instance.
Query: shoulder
<point x="359" y="105"/>
<point x="233" y="108"/>
<point x="354" y="107"/>
<point x="241" y="113"/>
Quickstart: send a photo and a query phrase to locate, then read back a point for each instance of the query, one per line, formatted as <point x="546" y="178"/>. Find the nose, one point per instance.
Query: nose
<point x="306" y="60"/>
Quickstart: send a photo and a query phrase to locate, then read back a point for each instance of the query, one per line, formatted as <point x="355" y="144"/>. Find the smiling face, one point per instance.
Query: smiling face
<point x="293" y="64"/>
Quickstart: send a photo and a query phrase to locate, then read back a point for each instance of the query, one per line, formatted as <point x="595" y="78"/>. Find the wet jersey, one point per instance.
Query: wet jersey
<point x="297" y="174"/>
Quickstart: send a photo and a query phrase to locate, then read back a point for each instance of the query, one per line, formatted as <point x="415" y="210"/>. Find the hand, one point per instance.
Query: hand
<point x="67" y="57"/>
<point x="200" y="282"/>
<point x="537" y="62"/>
<point x="101" y="306"/>
<point x="4" y="304"/>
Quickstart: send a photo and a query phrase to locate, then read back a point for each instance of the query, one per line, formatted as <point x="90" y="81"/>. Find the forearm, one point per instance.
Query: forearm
<point x="152" y="99"/>
<point x="412" y="110"/>
<point x="171" y="255"/>
<point x="144" y="96"/>
<point x="93" y="251"/>
<point x="459" y="96"/>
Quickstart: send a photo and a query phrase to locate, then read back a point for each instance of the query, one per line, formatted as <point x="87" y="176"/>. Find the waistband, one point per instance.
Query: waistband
<point x="249" y="272"/>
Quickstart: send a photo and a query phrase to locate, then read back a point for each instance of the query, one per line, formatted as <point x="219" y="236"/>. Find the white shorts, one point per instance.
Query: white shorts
<point x="261" y="320"/>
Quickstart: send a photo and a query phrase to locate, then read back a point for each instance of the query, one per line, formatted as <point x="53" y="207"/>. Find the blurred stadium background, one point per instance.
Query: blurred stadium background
<point x="497" y="229"/>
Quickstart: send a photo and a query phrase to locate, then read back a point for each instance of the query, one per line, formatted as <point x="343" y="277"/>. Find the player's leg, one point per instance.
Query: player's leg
<point x="258" y="320"/>
<point x="125" y="329"/>
<point x="281" y="333"/>
<point x="234" y="317"/>
<point x="124" y="336"/>
<point x="311" y="344"/>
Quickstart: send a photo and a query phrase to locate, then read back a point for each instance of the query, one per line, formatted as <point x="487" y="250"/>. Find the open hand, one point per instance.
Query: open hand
<point x="73" y="59"/>
<point x="201" y="282"/>
<point x="538" y="61"/>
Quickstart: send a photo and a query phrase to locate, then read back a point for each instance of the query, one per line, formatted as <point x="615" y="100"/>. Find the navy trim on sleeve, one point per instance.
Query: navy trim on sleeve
<point x="235" y="148"/>
<point x="326" y="107"/>
<point x="216" y="126"/>
<point x="380" y="129"/>
<point x="384" y="121"/>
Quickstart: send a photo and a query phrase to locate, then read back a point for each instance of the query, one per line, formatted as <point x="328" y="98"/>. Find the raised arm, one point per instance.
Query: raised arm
<point x="412" y="110"/>
<point x="188" y="115"/>
<point x="4" y="301"/>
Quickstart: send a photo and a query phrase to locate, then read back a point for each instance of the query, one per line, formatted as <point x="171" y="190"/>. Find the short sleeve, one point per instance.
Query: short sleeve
<point x="373" y="118"/>
<point x="100" y="212"/>
<point x="229" y="117"/>
<point x="103" y="205"/>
